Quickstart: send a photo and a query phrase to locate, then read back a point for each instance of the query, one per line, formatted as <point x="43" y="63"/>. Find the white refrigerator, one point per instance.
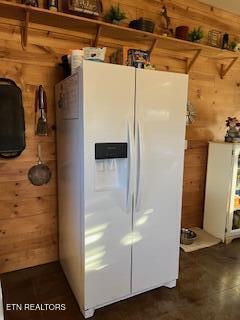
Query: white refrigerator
<point x="120" y="149"/>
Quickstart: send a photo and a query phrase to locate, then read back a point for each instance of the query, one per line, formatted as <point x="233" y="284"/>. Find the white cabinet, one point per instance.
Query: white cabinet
<point x="119" y="212"/>
<point x="222" y="200"/>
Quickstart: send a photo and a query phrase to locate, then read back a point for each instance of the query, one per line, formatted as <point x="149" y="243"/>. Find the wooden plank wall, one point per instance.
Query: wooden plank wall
<point x="28" y="215"/>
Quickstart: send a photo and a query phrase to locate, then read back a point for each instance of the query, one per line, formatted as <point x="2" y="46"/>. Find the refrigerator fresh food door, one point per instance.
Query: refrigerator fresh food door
<point x="161" y="100"/>
<point x="108" y="96"/>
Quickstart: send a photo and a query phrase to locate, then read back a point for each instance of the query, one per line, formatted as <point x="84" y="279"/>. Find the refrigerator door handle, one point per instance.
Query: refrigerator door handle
<point x="130" y="169"/>
<point x="139" y="167"/>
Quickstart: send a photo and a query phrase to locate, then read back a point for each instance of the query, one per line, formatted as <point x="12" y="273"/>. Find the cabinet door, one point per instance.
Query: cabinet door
<point x="218" y="188"/>
<point x="109" y="92"/>
<point x="161" y="100"/>
<point x="233" y="220"/>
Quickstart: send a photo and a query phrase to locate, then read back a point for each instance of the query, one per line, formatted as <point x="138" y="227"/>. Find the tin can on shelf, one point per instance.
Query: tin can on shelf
<point x="53" y="5"/>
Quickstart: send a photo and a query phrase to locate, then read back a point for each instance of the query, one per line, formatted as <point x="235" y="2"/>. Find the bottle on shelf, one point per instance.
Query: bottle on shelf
<point x="225" y="40"/>
<point x="53" y="5"/>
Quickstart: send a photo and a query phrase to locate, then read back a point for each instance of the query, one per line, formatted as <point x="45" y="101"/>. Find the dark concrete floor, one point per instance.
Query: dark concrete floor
<point x="208" y="289"/>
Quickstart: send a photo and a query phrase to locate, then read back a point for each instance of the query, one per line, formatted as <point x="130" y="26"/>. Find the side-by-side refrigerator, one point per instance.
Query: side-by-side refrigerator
<point x="120" y="137"/>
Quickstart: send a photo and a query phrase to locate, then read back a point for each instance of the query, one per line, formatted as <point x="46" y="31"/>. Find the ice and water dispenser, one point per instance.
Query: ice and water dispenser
<point x="111" y="166"/>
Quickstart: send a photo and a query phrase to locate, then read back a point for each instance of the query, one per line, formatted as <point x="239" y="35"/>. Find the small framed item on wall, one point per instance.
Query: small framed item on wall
<point x="214" y="38"/>
<point x="85" y="7"/>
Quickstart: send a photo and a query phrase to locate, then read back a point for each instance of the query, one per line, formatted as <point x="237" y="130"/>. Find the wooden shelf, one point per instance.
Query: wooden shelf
<point x="43" y="19"/>
<point x="49" y="19"/>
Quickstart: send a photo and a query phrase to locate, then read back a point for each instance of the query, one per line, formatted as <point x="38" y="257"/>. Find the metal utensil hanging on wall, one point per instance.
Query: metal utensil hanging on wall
<point x="39" y="174"/>
<point x="42" y="127"/>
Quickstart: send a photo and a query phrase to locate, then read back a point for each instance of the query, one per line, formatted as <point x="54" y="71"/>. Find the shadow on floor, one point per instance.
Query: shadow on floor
<point x="208" y="289"/>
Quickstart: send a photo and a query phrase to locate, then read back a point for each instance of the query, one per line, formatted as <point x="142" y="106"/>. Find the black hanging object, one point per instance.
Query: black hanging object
<point x="12" y="125"/>
<point x="66" y="66"/>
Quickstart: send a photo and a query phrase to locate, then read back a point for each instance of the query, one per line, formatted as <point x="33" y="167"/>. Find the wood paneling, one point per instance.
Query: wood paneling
<point x="194" y="183"/>
<point x="28" y="214"/>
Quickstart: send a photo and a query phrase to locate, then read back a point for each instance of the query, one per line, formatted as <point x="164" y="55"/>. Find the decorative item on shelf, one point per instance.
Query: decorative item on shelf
<point x="214" y="38"/>
<point x="142" y="24"/>
<point x="225" y="39"/>
<point x="196" y="34"/>
<point x="88" y="8"/>
<point x="33" y="3"/>
<point x="115" y="15"/>
<point x="233" y="132"/>
<point x="237" y="47"/>
<point x="182" y="32"/>
<point x="138" y="58"/>
<point x="191" y="113"/>
<point x="232" y="46"/>
<point x="166" y="26"/>
<point x="53" y="5"/>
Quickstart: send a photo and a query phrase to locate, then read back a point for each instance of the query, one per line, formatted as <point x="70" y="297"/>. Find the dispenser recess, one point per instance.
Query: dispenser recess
<point x="110" y="151"/>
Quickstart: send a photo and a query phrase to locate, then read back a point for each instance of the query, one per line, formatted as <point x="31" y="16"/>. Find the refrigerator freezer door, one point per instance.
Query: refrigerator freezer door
<point x="161" y="100"/>
<point x="70" y="222"/>
<point x="109" y="92"/>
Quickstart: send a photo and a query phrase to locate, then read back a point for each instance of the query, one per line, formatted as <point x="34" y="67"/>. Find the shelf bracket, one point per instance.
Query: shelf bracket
<point x="153" y="46"/>
<point x="24" y="34"/>
<point x="98" y="34"/>
<point x="224" y="70"/>
<point x="193" y="60"/>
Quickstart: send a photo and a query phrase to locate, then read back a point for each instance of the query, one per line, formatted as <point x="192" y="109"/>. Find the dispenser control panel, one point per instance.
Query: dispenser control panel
<point x="110" y="151"/>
